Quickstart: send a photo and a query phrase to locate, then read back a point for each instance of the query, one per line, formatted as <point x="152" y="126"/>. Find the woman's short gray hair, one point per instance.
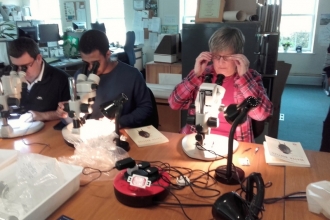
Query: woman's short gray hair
<point x="227" y="38"/>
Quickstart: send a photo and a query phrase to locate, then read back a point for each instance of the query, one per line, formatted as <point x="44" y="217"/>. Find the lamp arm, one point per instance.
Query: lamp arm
<point x="236" y="122"/>
<point x="117" y="117"/>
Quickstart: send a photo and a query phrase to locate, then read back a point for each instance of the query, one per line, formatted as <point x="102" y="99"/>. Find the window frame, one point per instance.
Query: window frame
<point x="103" y="19"/>
<point x="35" y="6"/>
<point x="313" y="17"/>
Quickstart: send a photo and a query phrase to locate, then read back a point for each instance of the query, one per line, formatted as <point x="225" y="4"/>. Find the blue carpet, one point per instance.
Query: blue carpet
<point x="304" y="108"/>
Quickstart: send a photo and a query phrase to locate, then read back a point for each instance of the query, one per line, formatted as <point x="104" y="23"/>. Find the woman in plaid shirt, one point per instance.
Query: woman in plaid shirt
<point x="225" y="57"/>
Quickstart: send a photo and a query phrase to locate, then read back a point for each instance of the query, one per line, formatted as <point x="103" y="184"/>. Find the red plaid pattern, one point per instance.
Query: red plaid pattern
<point x="250" y="84"/>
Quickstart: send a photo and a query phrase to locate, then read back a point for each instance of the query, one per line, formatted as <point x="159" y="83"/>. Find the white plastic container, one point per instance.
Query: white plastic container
<point x="318" y="198"/>
<point x="7" y="157"/>
<point x="52" y="200"/>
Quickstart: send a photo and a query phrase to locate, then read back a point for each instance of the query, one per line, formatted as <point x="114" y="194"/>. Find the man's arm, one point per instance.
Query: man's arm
<point x="44" y="116"/>
<point x="143" y="105"/>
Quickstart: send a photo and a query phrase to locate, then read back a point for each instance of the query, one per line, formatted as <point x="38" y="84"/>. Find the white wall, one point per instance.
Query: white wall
<point x="307" y="68"/>
<point x="165" y="7"/>
<point x="12" y="2"/>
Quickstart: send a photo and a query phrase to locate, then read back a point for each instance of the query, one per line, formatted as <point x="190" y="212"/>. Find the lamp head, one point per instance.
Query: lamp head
<point x="110" y="108"/>
<point x="233" y="110"/>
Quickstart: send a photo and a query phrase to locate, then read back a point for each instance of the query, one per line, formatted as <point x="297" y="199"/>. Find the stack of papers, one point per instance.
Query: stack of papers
<point x="285" y="153"/>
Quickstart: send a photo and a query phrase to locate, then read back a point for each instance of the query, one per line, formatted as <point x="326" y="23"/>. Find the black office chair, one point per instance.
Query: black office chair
<point x="153" y="119"/>
<point x="98" y="26"/>
<point x="257" y="127"/>
<point x="129" y="48"/>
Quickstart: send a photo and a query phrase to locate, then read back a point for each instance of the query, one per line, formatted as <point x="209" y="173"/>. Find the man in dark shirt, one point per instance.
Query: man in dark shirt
<point x="116" y="77"/>
<point x="46" y="85"/>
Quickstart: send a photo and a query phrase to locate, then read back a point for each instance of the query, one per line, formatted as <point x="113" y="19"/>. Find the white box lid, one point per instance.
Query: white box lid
<point x="7" y="157"/>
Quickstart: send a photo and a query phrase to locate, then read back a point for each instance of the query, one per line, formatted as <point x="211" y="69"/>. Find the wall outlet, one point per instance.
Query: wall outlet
<point x="281" y="117"/>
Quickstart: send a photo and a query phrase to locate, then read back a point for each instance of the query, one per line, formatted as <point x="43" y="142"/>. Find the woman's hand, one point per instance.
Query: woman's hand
<point x="242" y="63"/>
<point x="60" y="110"/>
<point x="201" y="62"/>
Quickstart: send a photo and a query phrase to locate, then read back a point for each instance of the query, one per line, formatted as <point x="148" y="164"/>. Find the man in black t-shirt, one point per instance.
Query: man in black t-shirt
<point x="46" y="85"/>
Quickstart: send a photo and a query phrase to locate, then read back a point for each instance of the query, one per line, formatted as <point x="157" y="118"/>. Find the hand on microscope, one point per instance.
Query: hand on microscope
<point x="60" y="110"/>
<point x="26" y="117"/>
<point x="63" y="114"/>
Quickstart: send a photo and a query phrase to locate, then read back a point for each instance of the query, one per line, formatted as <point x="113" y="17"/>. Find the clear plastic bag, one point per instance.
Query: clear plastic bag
<point x="98" y="157"/>
<point x="28" y="182"/>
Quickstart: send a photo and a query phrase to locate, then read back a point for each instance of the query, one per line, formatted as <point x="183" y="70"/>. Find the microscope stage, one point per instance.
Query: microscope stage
<point x="17" y="128"/>
<point x="212" y="142"/>
<point x="91" y="129"/>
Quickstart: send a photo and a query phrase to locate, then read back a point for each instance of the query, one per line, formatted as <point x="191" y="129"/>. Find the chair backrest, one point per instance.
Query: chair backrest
<point x="98" y="26"/>
<point x="283" y="70"/>
<point x="129" y="47"/>
<point x="153" y="119"/>
<point x="257" y="127"/>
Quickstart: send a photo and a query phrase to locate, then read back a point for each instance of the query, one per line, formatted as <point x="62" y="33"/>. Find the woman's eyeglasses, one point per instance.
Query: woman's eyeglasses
<point x="218" y="57"/>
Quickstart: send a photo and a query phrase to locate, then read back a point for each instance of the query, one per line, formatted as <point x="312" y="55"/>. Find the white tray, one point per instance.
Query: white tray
<point x="52" y="200"/>
<point x="7" y="157"/>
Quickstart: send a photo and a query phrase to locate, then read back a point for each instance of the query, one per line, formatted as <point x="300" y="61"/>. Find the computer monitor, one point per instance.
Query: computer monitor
<point x="48" y="33"/>
<point x="23" y="24"/>
<point x="98" y="26"/>
<point x="78" y="25"/>
<point x="30" y="32"/>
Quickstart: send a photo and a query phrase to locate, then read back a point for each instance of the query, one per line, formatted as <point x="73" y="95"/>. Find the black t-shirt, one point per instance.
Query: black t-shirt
<point x="47" y="93"/>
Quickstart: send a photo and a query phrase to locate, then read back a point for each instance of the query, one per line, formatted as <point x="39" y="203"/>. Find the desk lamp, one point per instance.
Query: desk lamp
<point x="235" y="115"/>
<point x="10" y="95"/>
<point x="201" y="145"/>
<point x="112" y="110"/>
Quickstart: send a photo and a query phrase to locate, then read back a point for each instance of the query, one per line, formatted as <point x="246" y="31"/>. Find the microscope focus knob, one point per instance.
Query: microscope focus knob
<point x="94" y="86"/>
<point x="85" y="108"/>
<point x="212" y="122"/>
<point x="13" y="102"/>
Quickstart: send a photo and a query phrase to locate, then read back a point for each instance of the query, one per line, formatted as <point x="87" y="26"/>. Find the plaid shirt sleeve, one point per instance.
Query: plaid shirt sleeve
<point x="250" y="84"/>
<point x="185" y="92"/>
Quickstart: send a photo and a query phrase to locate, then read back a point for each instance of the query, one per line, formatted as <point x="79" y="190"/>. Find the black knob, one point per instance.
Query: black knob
<point x="199" y="128"/>
<point x="220" y="78"/>
<point x="13" y="102"/>
<point x="212" y="122"/>
<point x="208" y="78"/>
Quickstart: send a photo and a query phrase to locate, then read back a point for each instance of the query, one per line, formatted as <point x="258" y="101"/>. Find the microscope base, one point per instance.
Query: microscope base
<point x="212" y="142"/>
<point x="18" y="129"/>
<point x="91" y="129"/>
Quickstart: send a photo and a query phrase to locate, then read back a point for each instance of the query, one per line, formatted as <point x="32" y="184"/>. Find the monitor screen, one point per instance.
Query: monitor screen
<point x="48" y="33"/>
<point x="23" y="24"/>
<point x="78" y="25"/>
<point x="30" y="32"/>
<point x="98" y="26"/>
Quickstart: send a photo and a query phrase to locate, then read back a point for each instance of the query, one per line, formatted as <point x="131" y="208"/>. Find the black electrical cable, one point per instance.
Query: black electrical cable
<point x="294" y="195"/>
<point x="94" y="170"/>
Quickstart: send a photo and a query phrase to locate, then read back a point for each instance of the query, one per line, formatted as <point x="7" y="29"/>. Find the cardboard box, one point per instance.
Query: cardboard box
<point x="165" y="58"/>
<point x="52" y="200"/>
